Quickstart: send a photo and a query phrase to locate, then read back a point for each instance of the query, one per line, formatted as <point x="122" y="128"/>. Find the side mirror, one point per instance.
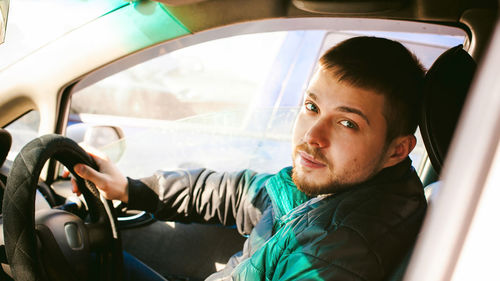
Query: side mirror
<point x="109" y="139"/>
<point x="4" y="14"/>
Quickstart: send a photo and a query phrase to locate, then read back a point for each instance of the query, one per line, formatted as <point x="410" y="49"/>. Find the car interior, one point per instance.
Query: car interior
<point x="447" y="83"/>
<point x="167" y="247"/>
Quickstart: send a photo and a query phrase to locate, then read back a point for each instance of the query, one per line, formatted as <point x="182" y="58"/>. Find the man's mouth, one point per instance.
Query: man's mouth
<point x="309" y="161"/>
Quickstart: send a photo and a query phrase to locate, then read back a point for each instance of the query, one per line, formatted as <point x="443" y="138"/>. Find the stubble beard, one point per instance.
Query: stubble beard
<point x="336" y="181"/>
<point x="313" y="189"/>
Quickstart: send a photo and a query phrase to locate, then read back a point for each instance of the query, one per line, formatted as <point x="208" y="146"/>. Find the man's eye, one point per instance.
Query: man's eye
<point x="311" y="107"/>
<point x="348" y="124"/>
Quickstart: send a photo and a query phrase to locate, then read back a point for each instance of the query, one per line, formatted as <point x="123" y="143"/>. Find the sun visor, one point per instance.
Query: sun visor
<point x="179" y="2"/>
<point x="349" y="6"/>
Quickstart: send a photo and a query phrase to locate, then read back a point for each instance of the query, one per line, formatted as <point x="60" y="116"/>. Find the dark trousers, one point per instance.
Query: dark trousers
<point x="135" y="270"/>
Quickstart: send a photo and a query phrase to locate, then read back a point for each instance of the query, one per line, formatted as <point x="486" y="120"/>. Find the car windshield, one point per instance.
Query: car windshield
<point x="33" y="23"/>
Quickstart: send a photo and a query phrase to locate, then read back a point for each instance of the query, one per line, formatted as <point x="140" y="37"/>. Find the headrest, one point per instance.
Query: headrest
<point x="5" y="142"/>
<point x="446" y="85"/>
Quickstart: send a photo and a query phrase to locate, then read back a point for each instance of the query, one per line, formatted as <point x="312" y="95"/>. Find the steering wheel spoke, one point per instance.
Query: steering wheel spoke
<point x="98" y="235"/>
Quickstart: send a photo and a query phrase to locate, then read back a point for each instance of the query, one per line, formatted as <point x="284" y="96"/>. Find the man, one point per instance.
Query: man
<point x="352" y="205"/>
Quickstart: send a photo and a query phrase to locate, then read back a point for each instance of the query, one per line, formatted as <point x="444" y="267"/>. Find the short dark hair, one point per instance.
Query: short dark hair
<point x="386" y="67"/>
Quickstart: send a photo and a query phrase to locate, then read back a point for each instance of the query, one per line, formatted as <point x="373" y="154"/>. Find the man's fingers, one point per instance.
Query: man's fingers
<point x="75" y="187"/>
<point x="90" y="174"/>
<point x="108" y="179"/>
<point x="65" y="174"/>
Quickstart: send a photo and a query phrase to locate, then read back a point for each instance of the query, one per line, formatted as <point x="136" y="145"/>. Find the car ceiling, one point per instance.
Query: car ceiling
<point x="476" y="16"/>
<point x="200" y="14"/>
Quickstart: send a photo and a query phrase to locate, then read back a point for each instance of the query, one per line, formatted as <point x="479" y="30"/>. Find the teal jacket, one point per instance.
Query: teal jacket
<point x="358" y="234"/>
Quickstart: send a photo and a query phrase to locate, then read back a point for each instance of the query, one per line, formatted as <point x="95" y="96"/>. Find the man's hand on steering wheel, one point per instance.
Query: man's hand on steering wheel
<point x="52" y="243"/>
<point x="109" y="180"/>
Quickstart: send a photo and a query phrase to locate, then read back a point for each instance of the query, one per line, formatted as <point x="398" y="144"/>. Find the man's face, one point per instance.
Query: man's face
<point x="339" y="136"/>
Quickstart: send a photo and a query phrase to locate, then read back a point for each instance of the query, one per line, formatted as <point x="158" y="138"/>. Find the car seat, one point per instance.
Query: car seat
<point x="446" y="85"/>
<point x="445" y="89"/>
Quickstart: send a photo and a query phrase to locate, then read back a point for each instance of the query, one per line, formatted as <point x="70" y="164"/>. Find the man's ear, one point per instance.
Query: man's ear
<point x="399" y="149"/>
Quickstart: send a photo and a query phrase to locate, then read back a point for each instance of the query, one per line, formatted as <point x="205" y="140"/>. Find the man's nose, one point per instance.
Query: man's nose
<point x="318" y="134"/>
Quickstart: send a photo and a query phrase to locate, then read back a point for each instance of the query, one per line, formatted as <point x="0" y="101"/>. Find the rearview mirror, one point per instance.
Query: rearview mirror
<point x="4" y="13"/>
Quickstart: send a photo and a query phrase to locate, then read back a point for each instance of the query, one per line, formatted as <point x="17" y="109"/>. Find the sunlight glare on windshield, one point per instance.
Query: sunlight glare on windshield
<point x="33" y="24"/>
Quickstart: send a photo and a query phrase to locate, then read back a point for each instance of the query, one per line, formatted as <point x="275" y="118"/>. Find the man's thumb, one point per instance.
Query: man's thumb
<point x="87" y="173"/>
<point x="79" y="169"/>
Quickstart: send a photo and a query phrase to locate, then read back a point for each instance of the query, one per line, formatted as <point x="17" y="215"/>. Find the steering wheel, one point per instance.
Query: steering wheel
<point x="54" y="244"/>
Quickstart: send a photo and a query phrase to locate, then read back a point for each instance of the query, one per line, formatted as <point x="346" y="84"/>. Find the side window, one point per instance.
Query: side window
<point x="23" y="130"/>
<point x="226" y="104"/>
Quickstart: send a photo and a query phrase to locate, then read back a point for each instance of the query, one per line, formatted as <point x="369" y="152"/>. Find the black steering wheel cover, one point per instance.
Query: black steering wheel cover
<point x="19" y="198"/>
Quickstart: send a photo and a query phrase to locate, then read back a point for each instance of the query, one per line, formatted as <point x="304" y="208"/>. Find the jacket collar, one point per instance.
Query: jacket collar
<point x="391" y="174"/>
<point x="285" y="196"/>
